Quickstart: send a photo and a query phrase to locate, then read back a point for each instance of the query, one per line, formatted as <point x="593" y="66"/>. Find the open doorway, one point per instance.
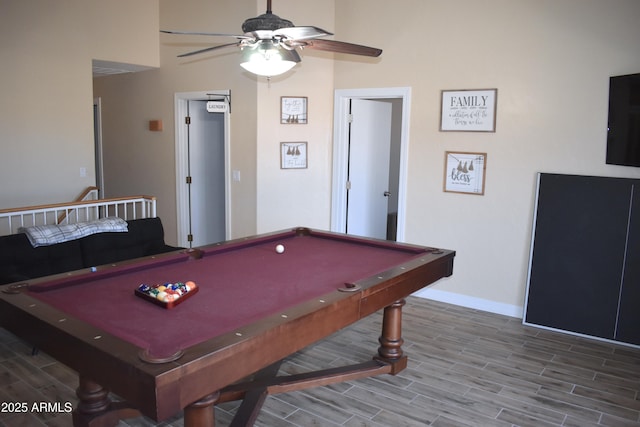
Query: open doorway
<point x="354" y="213"/>
<point x="202" y="165"/>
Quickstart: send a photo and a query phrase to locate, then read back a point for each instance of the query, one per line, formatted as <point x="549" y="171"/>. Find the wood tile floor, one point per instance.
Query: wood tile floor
<point x="466" y="368"/>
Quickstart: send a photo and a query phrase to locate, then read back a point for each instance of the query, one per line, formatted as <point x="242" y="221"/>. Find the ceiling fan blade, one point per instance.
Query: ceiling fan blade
<point x="208" y="49"/>
<point x="302" y="33"/>
<point x="199" y="33"/>
<point x="342" y="47"/>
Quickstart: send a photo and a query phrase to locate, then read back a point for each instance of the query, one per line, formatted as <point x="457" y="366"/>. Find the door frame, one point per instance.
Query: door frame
<point x="98" y="147"/>
<point x="181" y="101"/>
<point x="341" y="151"/>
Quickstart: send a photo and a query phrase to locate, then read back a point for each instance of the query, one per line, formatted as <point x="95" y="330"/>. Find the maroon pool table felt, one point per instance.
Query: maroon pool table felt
<point x="239" y="284"/>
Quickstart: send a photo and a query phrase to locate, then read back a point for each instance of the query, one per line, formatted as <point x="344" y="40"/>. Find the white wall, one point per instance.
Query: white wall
<point x="297" y="197"/>
<point x="550" y="61"/>
<point x="267" y="198"/>
<point x="46" y="119"/>
<point x="141" y="161"/>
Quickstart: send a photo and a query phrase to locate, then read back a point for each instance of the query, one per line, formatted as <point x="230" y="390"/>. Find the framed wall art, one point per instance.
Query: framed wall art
<point x="468" y="110"/>
<point x="293" y="110"/>
<point x="293" y="155"/>
<point x="464" y="172"/>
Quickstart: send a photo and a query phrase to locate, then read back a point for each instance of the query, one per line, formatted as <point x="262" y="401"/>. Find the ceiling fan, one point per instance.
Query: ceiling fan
<point x="269" y="43"/>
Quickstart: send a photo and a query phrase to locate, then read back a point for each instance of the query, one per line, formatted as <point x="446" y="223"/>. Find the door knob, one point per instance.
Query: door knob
<point x="387" y="194"/>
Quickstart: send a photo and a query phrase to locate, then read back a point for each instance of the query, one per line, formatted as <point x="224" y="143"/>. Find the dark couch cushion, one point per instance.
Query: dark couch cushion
<point x="16" y="253"/>
<point x="20" y="261"/>
<point x="144" y="237"/>
<point x="66" y="256"/>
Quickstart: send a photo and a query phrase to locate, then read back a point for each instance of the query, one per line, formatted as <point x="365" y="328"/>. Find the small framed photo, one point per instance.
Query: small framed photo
<point x="468" y="110"/>
<point x="293" y="110"/>
<point x="464" y="172"/>
<point x="293" y="155"/>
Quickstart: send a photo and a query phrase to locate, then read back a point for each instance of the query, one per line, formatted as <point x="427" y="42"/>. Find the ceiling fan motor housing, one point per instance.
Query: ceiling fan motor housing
<point x="267" y="21"/>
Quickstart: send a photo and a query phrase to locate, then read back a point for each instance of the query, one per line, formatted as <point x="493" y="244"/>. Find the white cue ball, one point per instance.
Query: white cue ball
<point x="280" y="248"/>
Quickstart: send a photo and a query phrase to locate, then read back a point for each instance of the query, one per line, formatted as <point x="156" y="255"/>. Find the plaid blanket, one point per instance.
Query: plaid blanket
<point x="44" y="235"/>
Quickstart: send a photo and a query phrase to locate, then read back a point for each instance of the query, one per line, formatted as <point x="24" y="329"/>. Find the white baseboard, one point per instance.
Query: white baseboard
<point x="471" y="302"/>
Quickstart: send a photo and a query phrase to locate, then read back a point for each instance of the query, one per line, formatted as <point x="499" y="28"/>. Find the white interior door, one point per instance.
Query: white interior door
<point x="369" y="155"/>
<point x="401" y="97"/>
<point x="207" y="171"/>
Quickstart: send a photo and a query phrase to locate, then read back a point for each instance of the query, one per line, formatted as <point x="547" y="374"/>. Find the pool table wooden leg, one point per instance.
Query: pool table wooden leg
<point x="202" y="412"/>
<point x="390" y="350"/>
<point x="95" y="409"/>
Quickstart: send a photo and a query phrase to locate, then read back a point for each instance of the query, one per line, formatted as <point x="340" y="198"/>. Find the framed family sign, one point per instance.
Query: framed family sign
<point x="293" y="110"/>
<point x="464" y="172"/>
<point x="468" y="110"/>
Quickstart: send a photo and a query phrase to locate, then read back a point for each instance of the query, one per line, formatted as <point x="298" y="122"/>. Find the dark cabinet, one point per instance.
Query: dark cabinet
<point x="584" y="271"/>
<point x="629" y="318"/>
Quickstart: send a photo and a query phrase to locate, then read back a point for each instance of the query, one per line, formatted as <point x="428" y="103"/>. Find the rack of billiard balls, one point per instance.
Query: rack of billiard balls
<point x="167" y="295"/>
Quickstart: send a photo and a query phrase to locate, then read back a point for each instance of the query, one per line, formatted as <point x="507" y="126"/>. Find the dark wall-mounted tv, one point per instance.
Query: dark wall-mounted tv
<point x="623" y="136"/>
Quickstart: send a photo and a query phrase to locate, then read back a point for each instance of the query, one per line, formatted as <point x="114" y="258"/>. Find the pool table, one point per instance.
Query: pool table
<point x="254" y="307"/>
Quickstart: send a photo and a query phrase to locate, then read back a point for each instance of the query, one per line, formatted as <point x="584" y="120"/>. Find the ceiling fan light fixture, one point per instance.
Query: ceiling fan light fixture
<point x="268" y="59"/>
